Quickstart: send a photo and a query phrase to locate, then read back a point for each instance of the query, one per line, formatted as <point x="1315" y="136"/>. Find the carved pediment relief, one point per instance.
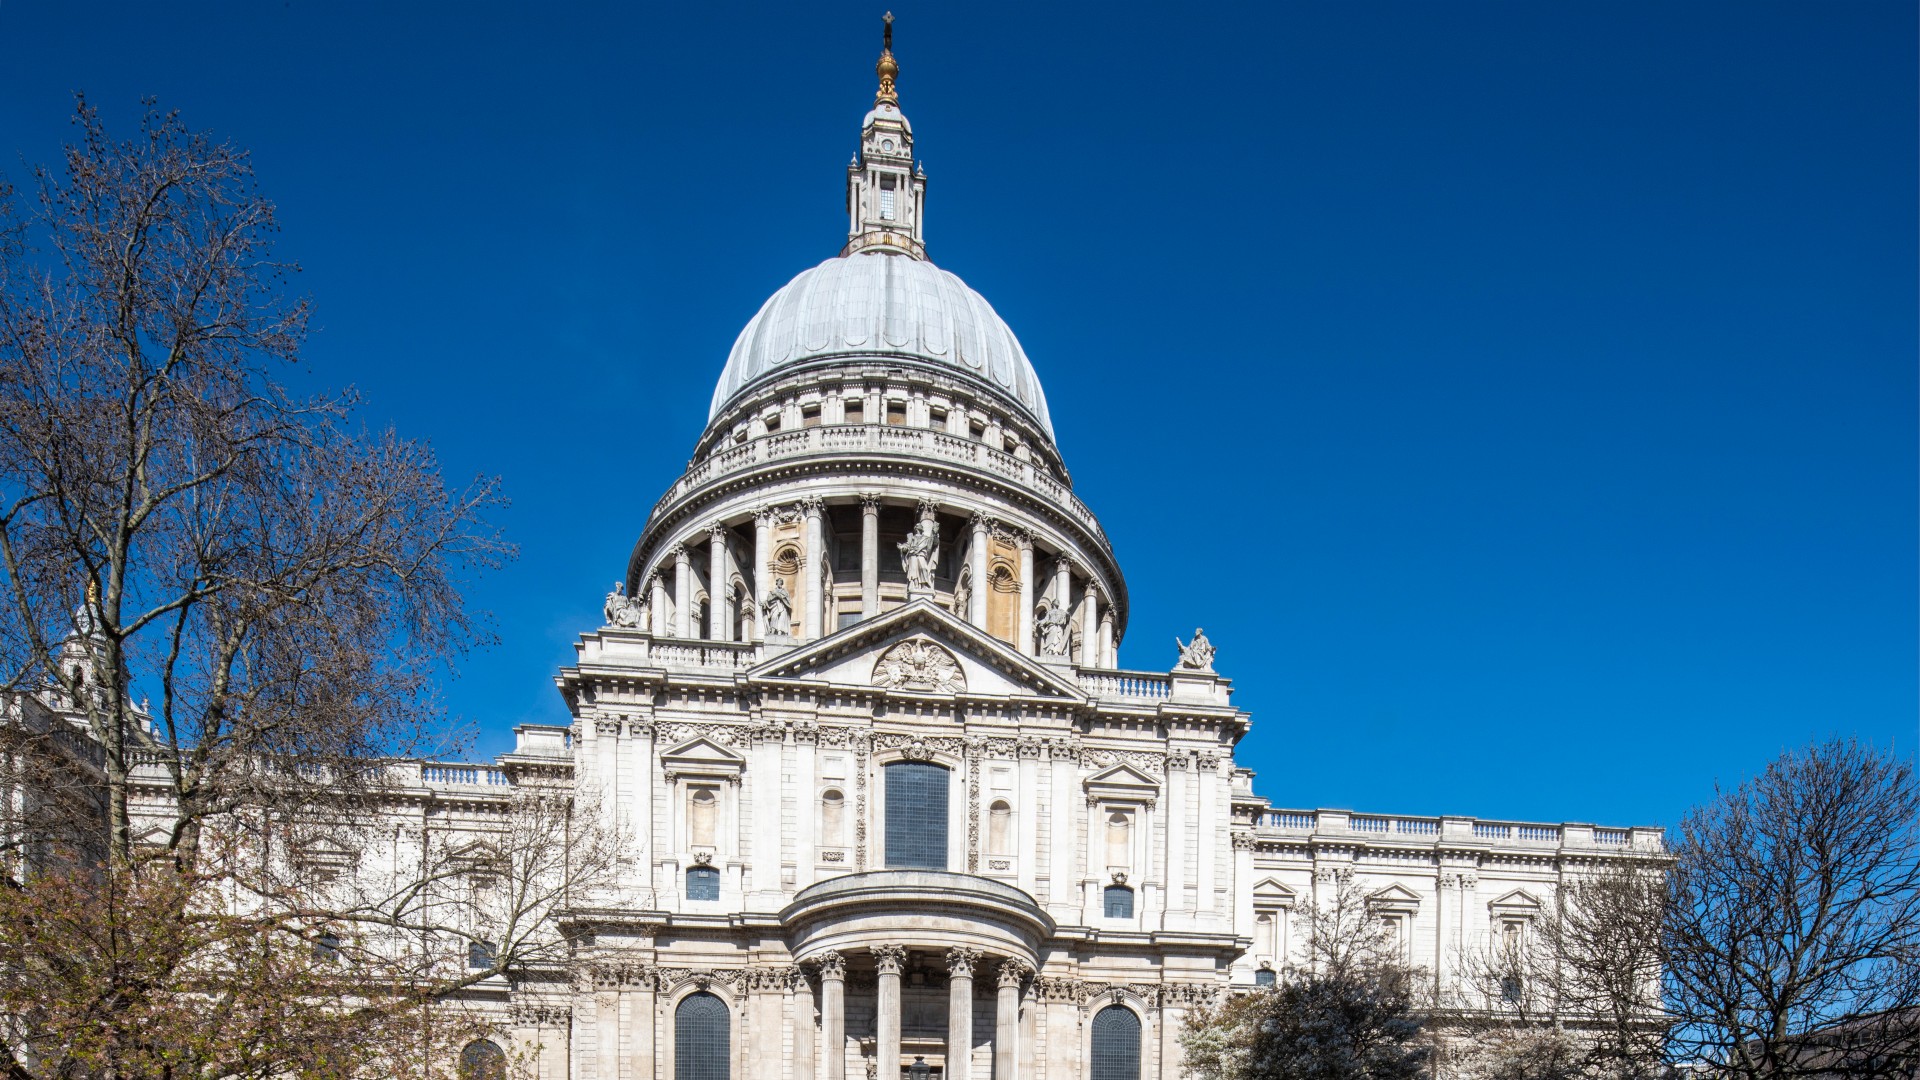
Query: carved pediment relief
<point x="919" y="664"/>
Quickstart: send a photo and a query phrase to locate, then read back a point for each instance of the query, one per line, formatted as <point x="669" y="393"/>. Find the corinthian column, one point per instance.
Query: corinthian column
<point x="833" y="1012"/>
<point x="890" y="959"/>
<point x="869" y="556"/>
<point x="683" y="592"/>
<point x="1090" y="628"/>
<point x="1024" y="622"/>
<point x="657" y="605"/>
<point x="960" y="1012"/>
<point x="977" y="567"/>
<point x="761" y="580"/>
<point x="815" y="563"/>
<point x="719" y="592"/>
<point x="1006" y="1018"/>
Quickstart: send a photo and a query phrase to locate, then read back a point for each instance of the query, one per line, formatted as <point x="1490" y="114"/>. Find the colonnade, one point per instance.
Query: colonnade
<point x="1097" y="642"/>
<point x="889" y="964"/>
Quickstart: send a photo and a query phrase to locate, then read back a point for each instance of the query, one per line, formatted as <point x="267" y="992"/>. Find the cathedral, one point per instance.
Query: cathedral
<point x="888" y="806"/>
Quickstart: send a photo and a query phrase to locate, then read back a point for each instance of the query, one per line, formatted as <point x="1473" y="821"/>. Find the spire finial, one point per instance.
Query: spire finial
<point x="886" y="68"/>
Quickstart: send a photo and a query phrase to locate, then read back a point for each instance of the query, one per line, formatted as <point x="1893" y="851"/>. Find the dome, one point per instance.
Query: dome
<point x="877" y="305"/>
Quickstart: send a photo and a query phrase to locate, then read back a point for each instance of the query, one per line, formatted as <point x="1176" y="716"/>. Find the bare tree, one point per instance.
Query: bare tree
<point x="1793" y="940"/>
<point x="223" y="608"/>
<point x="1575" y="992"/>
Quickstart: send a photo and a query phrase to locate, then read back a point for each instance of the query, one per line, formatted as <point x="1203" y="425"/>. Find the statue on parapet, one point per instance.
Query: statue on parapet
<point x="1196" y="655"/>
<point x="779" y="609"/>
<point x="919" y="554"/>
<point x="622" y="610"/>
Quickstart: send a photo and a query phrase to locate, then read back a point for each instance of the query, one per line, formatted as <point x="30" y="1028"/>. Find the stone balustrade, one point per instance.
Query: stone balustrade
<point x="1514" y="834"/>
<point x="883" y="440"/>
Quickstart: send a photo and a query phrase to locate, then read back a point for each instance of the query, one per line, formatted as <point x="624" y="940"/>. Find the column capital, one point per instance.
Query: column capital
<point x="960" y="961"/>
<point x="870" y="502"/>
<point x="678" y="551"/>
<point x="981" y="521"/>
<point x="1014" y="971"/>
<point x="763" y="515"/>
<point x="928" y="508"/>
<point x="717" y="529"/>
<point x="891" y="959"/>
<point x="831" y="965"/>
<point x="1063" y="564"/>
<point x="812" y="505"/>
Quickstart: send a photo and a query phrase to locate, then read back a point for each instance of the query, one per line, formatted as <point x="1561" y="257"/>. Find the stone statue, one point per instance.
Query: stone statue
<point x="1196" y="655"/>
<point x="1053" y="631"/>
<point x="779" y="612"/>
<point x="622" y="610"/>
<point x="919" y="554"/>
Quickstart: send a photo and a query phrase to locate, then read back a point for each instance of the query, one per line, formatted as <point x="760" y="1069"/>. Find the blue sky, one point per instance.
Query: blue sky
<point x="1522" y="395"/>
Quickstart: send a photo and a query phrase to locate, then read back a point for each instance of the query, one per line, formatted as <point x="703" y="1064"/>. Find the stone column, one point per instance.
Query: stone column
<point x="1006" y="1019"/>
<point x="960" y="964"/>
<point x="762" y="577"/>
<point x="891" y="960"/>
<point x="1062" y="581"/>
<point x="1023" y="624"/>
<point x="657" y="605"/>
<point x="1106" y="640"/>
<point x="1090" y="627"/>
<point x="833" y="1012"/>
<point x="869" y="556"/>
<point x="719" y="591"/>
<point x="814" y="567"/>
<point x="977" y="568"/>
<point x="683" y="592"/>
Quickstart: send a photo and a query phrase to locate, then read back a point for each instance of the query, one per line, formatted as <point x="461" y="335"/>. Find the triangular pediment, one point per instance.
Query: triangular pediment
<point x="702" y="757"/>
<point x="1123" y="782"/>
<point x="1519" y="900"/>
<point x="1271" y="892"/>
<point x="1394" y="898"/>
<point x="920" y="649"/>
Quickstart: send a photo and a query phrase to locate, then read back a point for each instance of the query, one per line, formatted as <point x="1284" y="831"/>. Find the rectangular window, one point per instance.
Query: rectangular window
<point x="1119" y="902"/>
<point x="479" y="955"/>
<point x="854" y="411"/>
<point x="703" y="883"/>
<point x="896" y="412"/>
<point x="916" y="816"/>
<point x="810" y="416"/>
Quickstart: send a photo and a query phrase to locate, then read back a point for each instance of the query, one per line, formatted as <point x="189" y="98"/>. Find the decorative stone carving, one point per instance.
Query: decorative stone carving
<point x="890" y="959"/>
<point x="920" y="554"/>
<point x="623" y="611"/>
<point x="1014" y="971"/>
<point x="831" y="965"/>
<point x="1195" y="655"/>
<point x="919" y="664"/>
<point x="960" y="961"/>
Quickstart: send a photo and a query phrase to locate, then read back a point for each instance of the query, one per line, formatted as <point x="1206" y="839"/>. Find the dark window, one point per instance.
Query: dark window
<point x="703" y="883"/>
<point x="1116" y="1045"/>
<point x="916" y="816"/>
<point x="479" y="955"/>
<point x="1119" y="902"/>
<point x="848" y="618"/>
<point x="326" y="948"/>
<point x="1512" y="989"/>
<point x="1263" y="977"/>
<point x="483" y="1060"/>
<point x="701" y="1041"/>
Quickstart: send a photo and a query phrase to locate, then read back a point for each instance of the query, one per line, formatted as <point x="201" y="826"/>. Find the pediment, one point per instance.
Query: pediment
<point x="1271" y="892"/>
<point x="1518" y="901"/>
<point x="1123" y="782"/>
<point x="1394" y="898"/>
<point x="702" y="757"/>
<point x="920" y="649"/>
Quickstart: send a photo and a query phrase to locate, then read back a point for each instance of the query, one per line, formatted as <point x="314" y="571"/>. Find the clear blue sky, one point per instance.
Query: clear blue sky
<point x="1522" y="395"/>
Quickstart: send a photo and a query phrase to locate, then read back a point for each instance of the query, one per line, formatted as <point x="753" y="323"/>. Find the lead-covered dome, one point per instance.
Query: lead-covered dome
<point x="879" y="305"/>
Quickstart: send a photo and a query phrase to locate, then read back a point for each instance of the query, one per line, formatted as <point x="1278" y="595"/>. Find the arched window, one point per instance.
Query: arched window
<point x="1264" y="977"/>
<point x="703" y="806"/>
<point x="1119" y="902"/>
<point x="703" y="883"/>
<point x="702" y="1042"/>
<point x="916" y="816"/>
<point x="1000" y="828"/>
<point x="1116" y="1045"/>
<point x="482" y="1059"/>
<point x="833" y="807"/>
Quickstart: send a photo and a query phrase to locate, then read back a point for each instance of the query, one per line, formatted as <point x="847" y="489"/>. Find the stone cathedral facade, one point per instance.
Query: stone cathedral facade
<point x="891" y="808"/>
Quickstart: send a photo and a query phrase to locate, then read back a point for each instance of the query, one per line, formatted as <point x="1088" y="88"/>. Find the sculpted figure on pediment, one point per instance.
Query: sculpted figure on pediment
<point x="622" y="610"/>
<point x="919" y="665"/>
<point x="1196" y="655"/>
